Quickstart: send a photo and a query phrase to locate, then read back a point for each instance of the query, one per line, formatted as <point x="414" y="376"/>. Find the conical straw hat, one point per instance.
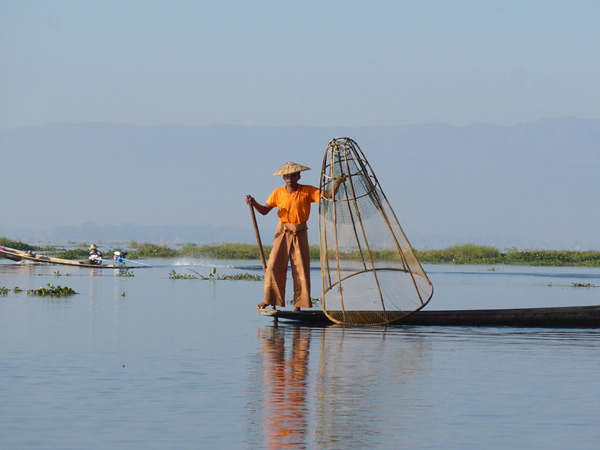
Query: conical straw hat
<point x="290" y="167"/>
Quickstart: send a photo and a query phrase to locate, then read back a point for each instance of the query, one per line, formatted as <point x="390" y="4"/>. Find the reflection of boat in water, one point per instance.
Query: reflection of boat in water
<point x="555" y="317"/>
<point x="18" y="255"/>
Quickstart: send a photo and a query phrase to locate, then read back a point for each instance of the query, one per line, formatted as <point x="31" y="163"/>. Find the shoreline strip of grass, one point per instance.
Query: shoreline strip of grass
<point x="457" y="254"/>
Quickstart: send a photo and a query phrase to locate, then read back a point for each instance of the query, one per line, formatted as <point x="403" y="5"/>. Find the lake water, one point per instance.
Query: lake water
<point x="151" y="362"/>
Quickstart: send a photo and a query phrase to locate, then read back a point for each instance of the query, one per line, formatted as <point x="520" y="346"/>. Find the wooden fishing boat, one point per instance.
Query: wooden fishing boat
<point x="555" y="317"/>
<point x="18" y="255"/>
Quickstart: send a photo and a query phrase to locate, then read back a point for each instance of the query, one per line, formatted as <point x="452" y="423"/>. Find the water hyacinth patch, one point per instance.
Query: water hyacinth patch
<point x="178" y="276"/>
<point x="51" y="290"/>
<point x="214" y="276"/>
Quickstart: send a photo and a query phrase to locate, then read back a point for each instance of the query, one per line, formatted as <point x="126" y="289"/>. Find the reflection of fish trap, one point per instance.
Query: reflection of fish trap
<point x="369" y="270"/>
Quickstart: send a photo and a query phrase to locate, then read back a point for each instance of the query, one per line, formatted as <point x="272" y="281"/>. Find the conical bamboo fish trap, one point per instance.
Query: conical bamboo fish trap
<point x="369" y="270"/>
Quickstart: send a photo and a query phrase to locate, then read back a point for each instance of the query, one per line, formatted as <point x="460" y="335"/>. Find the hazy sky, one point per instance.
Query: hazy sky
<point x="321" y="63"/>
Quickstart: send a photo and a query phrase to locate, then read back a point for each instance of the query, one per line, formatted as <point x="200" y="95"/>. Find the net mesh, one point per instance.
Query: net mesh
<point x="369" y="270"/>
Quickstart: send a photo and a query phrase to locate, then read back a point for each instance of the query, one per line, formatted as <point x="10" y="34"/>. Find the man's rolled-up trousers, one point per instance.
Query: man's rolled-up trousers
<point x="290" y="245"/>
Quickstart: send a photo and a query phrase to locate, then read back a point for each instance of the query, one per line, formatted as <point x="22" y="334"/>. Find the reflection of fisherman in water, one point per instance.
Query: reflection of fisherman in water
<point x="285" y="410"/>
<point x="366" y="388"/>
<point x="95" y="256"/>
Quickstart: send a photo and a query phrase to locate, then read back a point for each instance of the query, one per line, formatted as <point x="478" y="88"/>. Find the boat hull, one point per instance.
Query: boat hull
<point x="556" y="317"/>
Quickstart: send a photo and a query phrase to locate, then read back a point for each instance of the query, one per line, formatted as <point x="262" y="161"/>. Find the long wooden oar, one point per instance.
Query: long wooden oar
<point x="260" y="247"/>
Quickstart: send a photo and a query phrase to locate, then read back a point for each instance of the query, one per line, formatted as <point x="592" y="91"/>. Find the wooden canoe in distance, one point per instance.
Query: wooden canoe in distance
<point x="555" y="317"/>
<point x="18" y="255"/>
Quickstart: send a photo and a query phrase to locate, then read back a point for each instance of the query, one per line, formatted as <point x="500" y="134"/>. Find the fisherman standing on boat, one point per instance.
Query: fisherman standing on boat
<point x="95" y="256"/>
<point x="291" y="238"/>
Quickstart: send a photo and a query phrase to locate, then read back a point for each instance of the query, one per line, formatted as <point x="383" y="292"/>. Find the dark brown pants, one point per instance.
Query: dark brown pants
<point x="290" y="245"/>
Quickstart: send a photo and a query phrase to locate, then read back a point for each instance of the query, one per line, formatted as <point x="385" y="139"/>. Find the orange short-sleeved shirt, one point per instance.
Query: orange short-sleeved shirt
<point x="294" y="207"/>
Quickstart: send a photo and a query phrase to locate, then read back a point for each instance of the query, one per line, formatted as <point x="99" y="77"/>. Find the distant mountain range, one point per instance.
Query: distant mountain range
<point x="531" y="185"/>
<point x="124" y="233"/>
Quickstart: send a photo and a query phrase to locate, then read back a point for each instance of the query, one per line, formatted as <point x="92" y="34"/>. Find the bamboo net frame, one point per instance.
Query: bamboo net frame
<point x="370" y="274"/>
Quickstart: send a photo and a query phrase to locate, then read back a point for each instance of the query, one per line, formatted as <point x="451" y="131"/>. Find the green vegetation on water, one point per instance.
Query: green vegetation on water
<point x="58" y="274"/>
<point x="48" y="290"/>
<point x="147" y="250"/>
<point x="234" y="250"/>
<point x="228" y="250"/>
<point x="462" y="254"/>
<point x="479" y="254"/>
<point x="78" y="254"/>
<point x="585" y="285"/>
<point x="5" y="242"/>
<point x="457" y="254"/>
<point x="214" y="276"/>
<point x="180" y="276"/>
<point x="51" y="290"/>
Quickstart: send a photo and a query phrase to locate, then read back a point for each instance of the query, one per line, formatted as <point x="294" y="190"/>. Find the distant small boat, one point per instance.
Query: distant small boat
<point x="18" y="255"/>
<point x="555" y="317"/>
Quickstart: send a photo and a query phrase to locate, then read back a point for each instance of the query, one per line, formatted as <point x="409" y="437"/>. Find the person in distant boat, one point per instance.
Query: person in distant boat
<point x="291" y="238"/>
<point x="95" y="256"/>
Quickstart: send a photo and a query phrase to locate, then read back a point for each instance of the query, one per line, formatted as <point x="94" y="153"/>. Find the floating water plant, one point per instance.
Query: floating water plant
<point x="3" y="290"/>
<point x="178" y="276"/>
<point x="240" y="276"/>
<point x="58" y="274"/>
<point x="586" y="285"/>
<point x="51" y="290"/>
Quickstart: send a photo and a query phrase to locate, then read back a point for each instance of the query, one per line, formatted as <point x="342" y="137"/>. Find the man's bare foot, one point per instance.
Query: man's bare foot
<point x="297" y="309"/>
<point x="262" y="305"/>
